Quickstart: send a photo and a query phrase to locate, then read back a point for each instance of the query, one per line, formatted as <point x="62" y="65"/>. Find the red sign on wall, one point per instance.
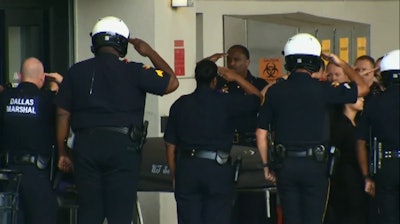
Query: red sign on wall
<point x="179" y="57"/>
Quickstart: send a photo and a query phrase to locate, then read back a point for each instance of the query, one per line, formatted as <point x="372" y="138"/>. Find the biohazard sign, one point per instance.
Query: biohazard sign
<point x="270" y="68"/>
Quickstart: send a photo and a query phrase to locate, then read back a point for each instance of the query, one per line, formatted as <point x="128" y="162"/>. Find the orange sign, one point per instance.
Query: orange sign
<point x="270" y="68"/>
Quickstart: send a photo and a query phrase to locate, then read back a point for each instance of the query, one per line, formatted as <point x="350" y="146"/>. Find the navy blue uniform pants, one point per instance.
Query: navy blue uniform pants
<point x="203" y="191"/>
<point x="106" y="174"/>
<point x="302" y="185"/>
<point x="38" y="201"/>
<point x="387" y="191"/>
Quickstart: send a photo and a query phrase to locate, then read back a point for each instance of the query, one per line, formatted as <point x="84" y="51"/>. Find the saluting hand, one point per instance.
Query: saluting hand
<point x="332" y="58"/>
<point x="54" y="76"/>
<point x="141" y="46"/>
<point x="216" y="56"/>
<point x="365" y="72"/>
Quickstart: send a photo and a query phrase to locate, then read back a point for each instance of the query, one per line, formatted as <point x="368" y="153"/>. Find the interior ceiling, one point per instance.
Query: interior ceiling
<point x="297" y="19"/>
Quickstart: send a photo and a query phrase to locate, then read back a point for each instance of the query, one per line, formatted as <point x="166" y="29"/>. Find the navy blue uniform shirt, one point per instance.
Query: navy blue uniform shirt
<point x="105" y="91"/>
<point x="203" y="119"/>
<point x="246" y="122"/>
<point x="298" y="108"/>
<point x="27" y="119"/>
<point x="382" y="114"/>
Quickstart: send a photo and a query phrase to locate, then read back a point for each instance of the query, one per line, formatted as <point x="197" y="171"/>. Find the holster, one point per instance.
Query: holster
<point x="222" y="157"/>
<point x="276" y="156"/>
<point x="41" y="162"/>
<point x="320" y="153"/>
<point x="138" y="136"/>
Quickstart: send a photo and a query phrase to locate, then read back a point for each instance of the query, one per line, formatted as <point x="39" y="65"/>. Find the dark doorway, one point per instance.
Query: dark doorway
<point x="35" y="28"/>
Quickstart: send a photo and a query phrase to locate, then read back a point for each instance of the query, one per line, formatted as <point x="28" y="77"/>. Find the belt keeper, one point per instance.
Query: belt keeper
<point x="235" y="138"/>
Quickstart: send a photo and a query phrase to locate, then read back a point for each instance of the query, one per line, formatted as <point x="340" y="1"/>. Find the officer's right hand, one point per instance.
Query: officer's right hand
<point x="332" y="58"/>
<point x="141" y="46"/>
<point x="65" y="163"/>
<point x="216" y="56"/>
<point x="369" y="187"/>
<point x="269" y="175"/>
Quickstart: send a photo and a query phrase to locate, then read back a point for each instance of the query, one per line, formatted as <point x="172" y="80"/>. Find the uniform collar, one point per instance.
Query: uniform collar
<point x="106" y="55"/>
<point x="204" y="89"/>
<point x="249" y="77"/>
<point x="299" y="75"/>
<point x="27" y="85"/>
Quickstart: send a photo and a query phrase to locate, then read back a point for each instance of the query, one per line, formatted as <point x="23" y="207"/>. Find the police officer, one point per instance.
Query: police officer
<point x="249" y="208"/>
<point x="103" y="100"/>
<point x="238" y="59"/>
<point x="28" y="136"/>
<point x="200" y="133"/>
<point x="381" y="116"/>
<point x="297" y="110"/>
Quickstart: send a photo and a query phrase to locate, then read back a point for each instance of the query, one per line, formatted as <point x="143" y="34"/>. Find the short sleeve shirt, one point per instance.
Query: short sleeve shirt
<point x="204" y="118"/>
<point x="105" y="91"/>
<point x="382" y="117"/>
<point x="298" y="108"/>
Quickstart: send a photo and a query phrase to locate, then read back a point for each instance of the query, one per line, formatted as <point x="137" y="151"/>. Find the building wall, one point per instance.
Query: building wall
<point x="158" y="24"/>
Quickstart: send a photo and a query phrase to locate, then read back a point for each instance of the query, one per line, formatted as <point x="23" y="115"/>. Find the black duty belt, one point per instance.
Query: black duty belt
<point x="298" y="153"/>
<point x="391" y="154"/>
<point x="121" y="130"/>
<point x="197" y="153"/>
<point x="218" y="156"/>
<point x="41" y="161"/>
<point x="27" y="159"/>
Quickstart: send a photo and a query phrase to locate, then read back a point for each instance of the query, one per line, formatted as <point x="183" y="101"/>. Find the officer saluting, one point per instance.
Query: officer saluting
<point x="200" y="133"/>
<point x="103" y="99"/>
<point x="27" y="139"/>
<point x="297" y="110"/>
<point x="381" y="116"/>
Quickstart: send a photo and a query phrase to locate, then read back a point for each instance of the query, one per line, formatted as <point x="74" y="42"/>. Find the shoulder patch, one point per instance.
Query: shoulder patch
<point x="347" y="85"/>
<point x="160" y="73"/>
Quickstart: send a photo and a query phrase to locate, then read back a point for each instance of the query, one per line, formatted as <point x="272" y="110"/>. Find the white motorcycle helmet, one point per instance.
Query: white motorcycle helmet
<point x="110" y="31"/>
<point x="302" y="50"/>
<point x="390" y="68"/>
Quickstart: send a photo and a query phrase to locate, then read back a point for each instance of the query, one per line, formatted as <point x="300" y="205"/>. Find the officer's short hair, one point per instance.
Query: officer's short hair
<point x="367" y="58"/>
<point x="205" y="71"/>
<point x="242" y="48"/>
